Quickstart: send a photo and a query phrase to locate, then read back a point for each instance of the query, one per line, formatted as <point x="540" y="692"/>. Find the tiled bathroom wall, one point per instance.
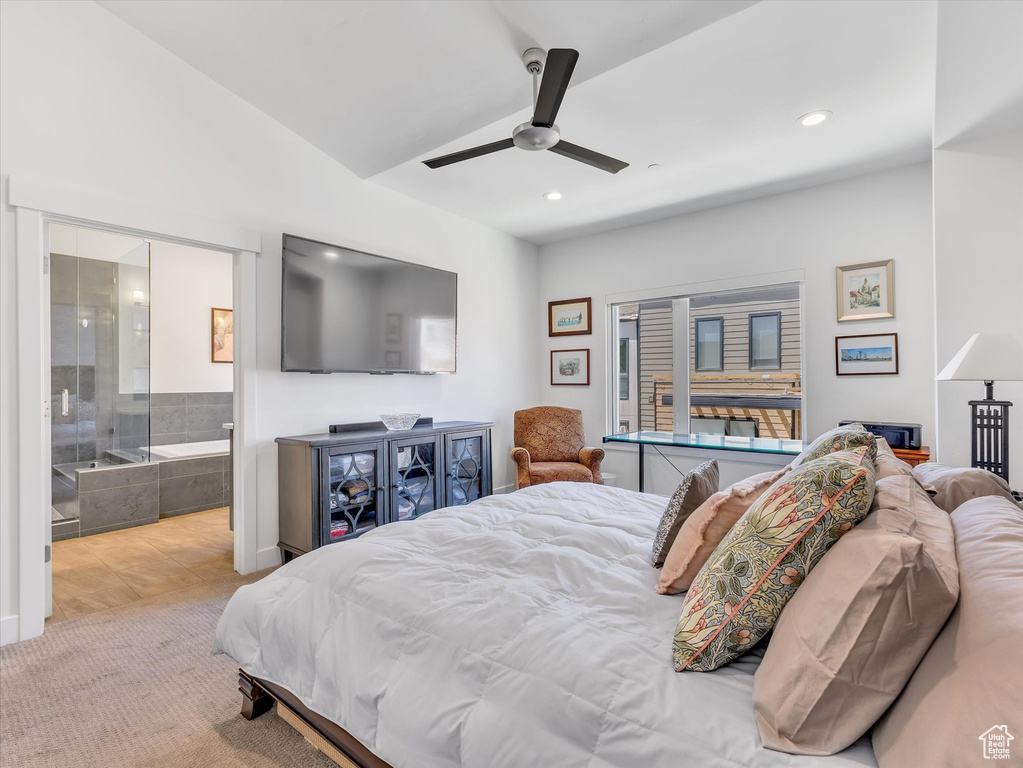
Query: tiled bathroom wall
<point x="190" y="417"/>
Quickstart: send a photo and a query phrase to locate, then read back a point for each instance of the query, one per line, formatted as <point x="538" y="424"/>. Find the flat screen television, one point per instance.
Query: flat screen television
<point x="345" y="311"/>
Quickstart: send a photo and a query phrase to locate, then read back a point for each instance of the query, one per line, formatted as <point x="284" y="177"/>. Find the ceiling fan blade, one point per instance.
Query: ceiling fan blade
<point x="588" y="156"/>
<point x="556" y="74"/>
<point x="469" y="154"/>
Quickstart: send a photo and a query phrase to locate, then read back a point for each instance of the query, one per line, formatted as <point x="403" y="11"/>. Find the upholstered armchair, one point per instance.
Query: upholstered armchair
<point x="549" y="446"/>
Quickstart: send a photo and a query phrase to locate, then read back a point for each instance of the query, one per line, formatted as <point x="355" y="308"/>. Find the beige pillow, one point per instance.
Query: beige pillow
<point x="955" y="485"/>
<point x="970" y="681"/>
<point x="695" y="488"/>
<point x="887" y="463"/>
<point x="853" y="633"/>
<point x="706" y="527"/>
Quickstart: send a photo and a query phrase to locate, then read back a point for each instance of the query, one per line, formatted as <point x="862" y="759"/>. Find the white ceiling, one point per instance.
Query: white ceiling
<point x="709" y="89"/>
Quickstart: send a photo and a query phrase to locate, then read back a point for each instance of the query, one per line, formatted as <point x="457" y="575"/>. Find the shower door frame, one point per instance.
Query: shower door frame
<point x="36" y="203"/>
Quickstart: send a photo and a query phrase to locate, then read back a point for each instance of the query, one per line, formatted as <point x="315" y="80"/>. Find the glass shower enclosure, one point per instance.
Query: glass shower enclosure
<point x="99" y="359"/>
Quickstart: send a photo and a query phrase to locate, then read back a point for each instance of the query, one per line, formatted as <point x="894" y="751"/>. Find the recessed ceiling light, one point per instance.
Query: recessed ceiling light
<point x="553" y="196"/>
<point x="814" y="118"/>
<point x="330" y="254"/>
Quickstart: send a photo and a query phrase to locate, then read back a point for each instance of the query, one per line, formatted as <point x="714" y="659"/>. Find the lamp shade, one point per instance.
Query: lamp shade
<point x="986" y="357"/>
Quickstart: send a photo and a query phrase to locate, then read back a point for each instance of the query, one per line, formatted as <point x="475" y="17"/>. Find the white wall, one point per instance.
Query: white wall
<point x="186" y="283"/>
<point x="93" y="104"/>
<point x="872" y="217"/>
<point x="978" y="205"/>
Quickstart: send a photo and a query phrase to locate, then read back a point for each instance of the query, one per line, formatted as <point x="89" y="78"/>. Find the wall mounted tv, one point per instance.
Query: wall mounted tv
<point x="345" y="311"/>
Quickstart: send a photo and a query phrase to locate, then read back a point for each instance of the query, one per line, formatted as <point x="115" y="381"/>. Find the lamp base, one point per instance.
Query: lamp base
<point x="989" y="428"/>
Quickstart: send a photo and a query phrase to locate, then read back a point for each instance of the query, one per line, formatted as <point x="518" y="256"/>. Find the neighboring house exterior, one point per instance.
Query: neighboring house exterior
<point x="739" y="390"/>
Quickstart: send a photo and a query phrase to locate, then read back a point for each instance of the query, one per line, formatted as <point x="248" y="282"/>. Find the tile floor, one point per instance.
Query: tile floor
<point x="109" y="569"/>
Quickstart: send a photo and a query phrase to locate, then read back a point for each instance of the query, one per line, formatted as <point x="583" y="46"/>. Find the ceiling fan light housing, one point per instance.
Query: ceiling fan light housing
<point x="534" y="60"/>
<point x="535" y="137"/>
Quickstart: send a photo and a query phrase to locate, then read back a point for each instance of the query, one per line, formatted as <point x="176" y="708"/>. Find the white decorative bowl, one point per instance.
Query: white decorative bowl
<point x="399" y="422"/>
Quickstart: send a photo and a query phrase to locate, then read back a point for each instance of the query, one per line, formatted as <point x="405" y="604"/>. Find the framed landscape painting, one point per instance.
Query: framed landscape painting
<point x="570" y="367"/>
<point x="865" y="291"/>
<point x="869" y="355"/>
<point x="569" y="318"/>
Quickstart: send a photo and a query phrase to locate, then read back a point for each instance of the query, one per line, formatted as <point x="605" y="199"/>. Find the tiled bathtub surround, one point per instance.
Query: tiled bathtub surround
<point x="193" y="485"/>
<point x="110" y="498"/>
<point x="126" y="495"/>
<point x="190" y="417"/>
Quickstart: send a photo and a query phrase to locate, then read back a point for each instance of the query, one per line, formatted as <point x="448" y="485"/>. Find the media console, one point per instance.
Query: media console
<point x="337" y="485"/>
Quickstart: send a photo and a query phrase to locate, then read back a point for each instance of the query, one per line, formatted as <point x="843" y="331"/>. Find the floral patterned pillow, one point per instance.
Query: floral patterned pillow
<point x="850" y="437"/>
<point x="739" y="593"/>
<point x="696" y="487"/>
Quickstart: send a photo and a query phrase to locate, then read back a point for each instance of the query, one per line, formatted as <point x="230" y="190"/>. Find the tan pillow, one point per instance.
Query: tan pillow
<point x="704" y="529"/>
<point x="853" y="633"/>
<point x="695" y="488"/>
<point x="955" y="485"/>
<point x="970" y="680"/>
<point x="887" y="463"/>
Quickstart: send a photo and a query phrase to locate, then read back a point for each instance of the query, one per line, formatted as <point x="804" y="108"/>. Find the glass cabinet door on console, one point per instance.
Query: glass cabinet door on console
<point x="351" y="482"/>
<point x="466" y="466"/>
<point x="415" y="485"/>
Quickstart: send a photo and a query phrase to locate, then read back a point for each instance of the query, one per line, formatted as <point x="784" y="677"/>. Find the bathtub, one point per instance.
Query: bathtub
<point x="187" y="450"/>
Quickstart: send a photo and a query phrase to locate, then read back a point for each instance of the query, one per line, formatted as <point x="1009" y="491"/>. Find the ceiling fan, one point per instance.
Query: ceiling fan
<point x="556" y="66"/>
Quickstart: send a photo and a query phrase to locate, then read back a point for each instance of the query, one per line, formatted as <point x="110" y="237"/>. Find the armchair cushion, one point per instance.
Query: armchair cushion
<point x="552" y="471"/>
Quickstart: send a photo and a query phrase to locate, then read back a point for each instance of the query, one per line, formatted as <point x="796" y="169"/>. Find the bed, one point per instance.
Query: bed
<point x="522" y="629"/>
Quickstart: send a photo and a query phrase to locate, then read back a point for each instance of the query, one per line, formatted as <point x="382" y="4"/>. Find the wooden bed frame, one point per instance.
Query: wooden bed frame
<point x="259" y="696"/>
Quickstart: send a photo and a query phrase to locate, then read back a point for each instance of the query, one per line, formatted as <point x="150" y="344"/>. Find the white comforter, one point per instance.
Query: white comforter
<point x="521" y="630"/>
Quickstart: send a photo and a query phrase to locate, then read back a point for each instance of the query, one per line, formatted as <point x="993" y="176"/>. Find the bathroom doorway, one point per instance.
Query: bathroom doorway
<point x="141" y="407"/>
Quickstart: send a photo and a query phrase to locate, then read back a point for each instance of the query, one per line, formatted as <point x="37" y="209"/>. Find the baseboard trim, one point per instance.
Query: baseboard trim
<point x="9" y="630"/>
<point x="268" y="558"/>
<point x="505" y="489"/>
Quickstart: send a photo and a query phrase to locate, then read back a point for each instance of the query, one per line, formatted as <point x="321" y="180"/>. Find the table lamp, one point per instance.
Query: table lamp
<point x="988" y="357"/>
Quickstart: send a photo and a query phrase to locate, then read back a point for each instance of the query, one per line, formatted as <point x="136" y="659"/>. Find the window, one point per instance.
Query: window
<point x="710" y="339"/>
<point x="765" y="341"/>
<point x="623" y="369"/>
<point x="725" y="363"/>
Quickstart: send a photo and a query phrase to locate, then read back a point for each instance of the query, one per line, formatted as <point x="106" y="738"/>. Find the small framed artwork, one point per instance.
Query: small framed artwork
<point x="570" y="367"/>
<point x="865" y="291"/>
<point x="222" y="344"/>
<point x="393" y="328"/>
<point x="872" y="354"/>
<point x="569" y="318"/>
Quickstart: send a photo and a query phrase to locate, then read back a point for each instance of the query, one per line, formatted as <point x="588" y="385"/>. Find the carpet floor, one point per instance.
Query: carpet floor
<point x="138" y="686"/>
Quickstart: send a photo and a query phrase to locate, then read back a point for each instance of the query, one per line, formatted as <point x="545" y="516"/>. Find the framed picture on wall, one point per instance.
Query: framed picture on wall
<point x="393" y="328"/>
<point x="570" y="367"/>
<point x="569" y="318"/>
<point x="865" y="291"/>
<point x="222" y="344"/>
<point x="872" y="354"/>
